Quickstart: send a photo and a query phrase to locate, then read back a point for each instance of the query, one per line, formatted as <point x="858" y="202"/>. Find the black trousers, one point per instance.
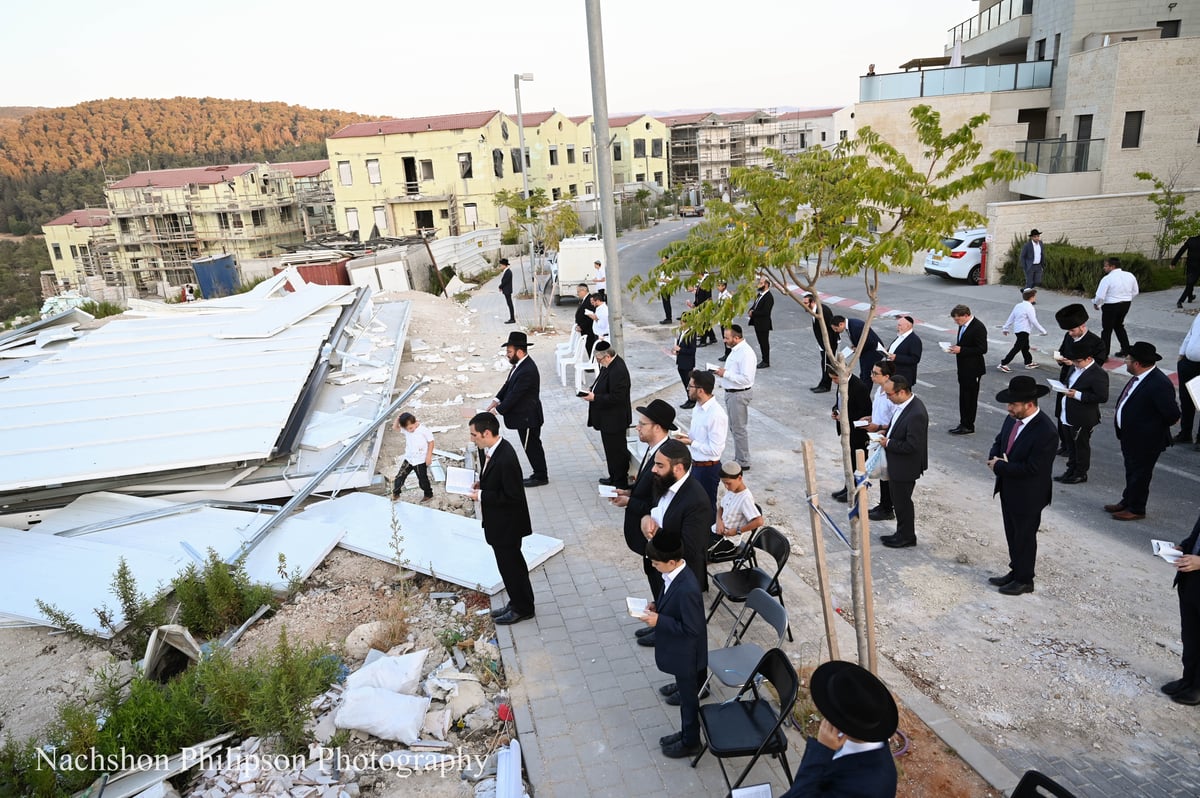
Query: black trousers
<point x="1021" y="524"/>
<point x="709" y="478"/>
<point x="684" y="376"/>
<point x="764" y="344"/>
<point x="531" y="441"/>
<point x="1189" y="290"/>
<point x="1187" y="369"/>
<point x="666" y="303"/>
<point x="1112" y="319"/>
<point x="968" y="399"/>
<point x="508" y="298"/>
<point x="689" y="705"/>
<point x="616" y="455"/>
<point x="1078" y="441"/>
<point x="825" y="382"/>
<point x="1022" y="346"/>
<point x="1139" y="470"/>
<point x="885" y="494"/>
<point x="902" y="504"/>
<point x="514" y="572"/>
<point x="1188" y="585"/>
<point x="422" y="478"/>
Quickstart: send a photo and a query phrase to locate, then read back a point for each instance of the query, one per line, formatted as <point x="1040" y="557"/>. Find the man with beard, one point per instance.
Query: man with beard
<point x="583" y="319"/>
<point x="1073" y="319"/>
<point x="682" y="506"/>
<point x="905" y="351"/>
<point x="608" y="412"/>
<point x="760" y="320"/>
<point x="825" y="319"/>
<point x="519" y="402"/>
<point x="1078" y="410"/>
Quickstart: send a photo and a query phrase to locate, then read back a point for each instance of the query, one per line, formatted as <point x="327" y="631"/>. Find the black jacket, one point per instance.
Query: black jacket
<point x="691" y="516"/>
<point x="1027" y="476"/>
<point x="907" y="449"/>
<point x="506" y="282"/>
<point x="827" y="318"/>
<point x="583" y="321"/>
<point x="681" y="634"/>
<point x="860" y="406"/>
<point x="760" y="311"/>
<point x="1148" y="415"/>
<point x="908" y="356"/>
<point x="871" y="353"/>
<point x="974" y="346"/>
<point x="609" y="410"/>
<point x="685" y="358"/>
<point x="1191" y="248"/>
<point x="1084" y="411"/>
<point x="520" y="403"/>
<point x="641" y="499"/>
<point x="502" y="498"/>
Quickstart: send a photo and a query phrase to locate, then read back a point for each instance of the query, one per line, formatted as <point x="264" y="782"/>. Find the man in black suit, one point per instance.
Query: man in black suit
<point x="608" y="412"/>
<point x="760" y="320"/>
<point x="858" y="406"/>
<point x="501" y="498"/>
<point x="872" y="351"/>
<point x="518" y="400"/>
<point x="1144" y="415"/>
<point x="906" y="447"/>
<point x="1073" y="320"/>
<point x="655" y="421"/>
<point x="682" y="507"/>
<point x="1078" y="410"/>
<point x="824" y="319"/>
<point x="970" y="345"/>
<point x="1186" y="689"/>
<point x="506" y="289"/>
<point x="1022" y="458"/>
<point x="1190" y="248"/>
<point x="685" y="359"/>
<point x="584" y="322"/>
<point x="701" y="296"/>
<point x="905" y="350"/>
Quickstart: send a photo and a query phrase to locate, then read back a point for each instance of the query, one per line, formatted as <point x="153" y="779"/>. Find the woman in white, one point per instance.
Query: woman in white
<point x="737" y="514"/>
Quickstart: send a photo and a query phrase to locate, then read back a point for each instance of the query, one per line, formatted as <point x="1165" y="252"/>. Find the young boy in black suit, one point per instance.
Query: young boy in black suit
<point x="681" y="645"/>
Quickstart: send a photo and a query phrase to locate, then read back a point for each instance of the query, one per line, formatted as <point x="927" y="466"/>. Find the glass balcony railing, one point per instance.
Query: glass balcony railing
<point x="955" y="80"/>
<point x="1062" y="156"/>
<point x="984" y="21"/>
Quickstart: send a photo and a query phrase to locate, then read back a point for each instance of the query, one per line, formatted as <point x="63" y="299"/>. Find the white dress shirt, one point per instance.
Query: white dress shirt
<point x="1125" y="394"/>
<point x="1075" y="373"/>
<point x="669" y="578"/>
<point x="896" y="343"/>
<point x="1116" y="286"/>
<point x="1023" y="319"/>
<point x="1190" y="348"/>
<point x="740" y="368"/>
<point x="708" y="430"/>
<point x="660" y="510"/>
<point x="601" y="325"/>
<point x="883" y="409"/>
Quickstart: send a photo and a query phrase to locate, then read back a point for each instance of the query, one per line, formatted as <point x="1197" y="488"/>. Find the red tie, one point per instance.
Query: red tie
<point x="1012" y="436"/>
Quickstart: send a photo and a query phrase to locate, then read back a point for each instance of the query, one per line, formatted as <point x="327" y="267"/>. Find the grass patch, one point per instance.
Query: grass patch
<point x="101" y="309"/>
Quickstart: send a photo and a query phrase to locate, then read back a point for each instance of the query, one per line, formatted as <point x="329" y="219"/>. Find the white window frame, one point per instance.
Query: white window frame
<point x="351" y="219"/>
<point x="373" y="174"/>
<point x="380" y="214"/>
<point x="345" y="174"/>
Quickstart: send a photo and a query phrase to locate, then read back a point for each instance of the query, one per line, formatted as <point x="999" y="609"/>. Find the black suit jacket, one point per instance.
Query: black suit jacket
<point x="1191" y="248"/>
<point x="691" y="517"/>
<point x="685" y="358"/>
<point x="520" y="403"/>
<point x="760" y="311"/>
<point x="860" y="407"/>
<point x="681" y="634"/>
<point x="826" y="318"/>
<point x="870" y="354"/>
<point x="502" y="498"/>
<point x="1092" y="385"/>
<point x="1027" y="477"/>
<point x="506" y="282"/>
<point x="974" y="346"/>
<point x="583" y="321"/>
<point x="1190" y="581"/>
<point x="641" y="500"/>
<point x="1148" y="415"/>
<point x="907" y="449"/>
<point x="869" y="774"/>
<point x="908" y="355"/>
<point x="609" y="411"/>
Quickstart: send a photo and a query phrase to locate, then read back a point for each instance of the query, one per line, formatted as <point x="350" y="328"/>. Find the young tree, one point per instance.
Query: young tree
<point x="853" y="210"/>
<point x="1174" y="225"/>
<point x="523" y="212"/>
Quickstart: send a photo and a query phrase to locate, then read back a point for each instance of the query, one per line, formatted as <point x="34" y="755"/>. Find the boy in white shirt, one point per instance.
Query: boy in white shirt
<point x="1021" y="321"/>
<point x="737" y="514"/>
<point x="418" y="454"/>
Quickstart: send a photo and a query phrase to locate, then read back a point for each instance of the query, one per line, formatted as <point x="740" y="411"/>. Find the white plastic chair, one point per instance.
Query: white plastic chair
<point x="577" y="356"/>
<point x="589" y="368"/>
<point x="566" y="349"/>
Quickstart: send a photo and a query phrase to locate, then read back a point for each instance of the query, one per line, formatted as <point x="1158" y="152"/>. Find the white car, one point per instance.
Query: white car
<point x="963" y="259"/>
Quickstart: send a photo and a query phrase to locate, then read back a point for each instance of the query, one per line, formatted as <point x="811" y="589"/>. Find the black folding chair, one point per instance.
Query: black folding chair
<point x="748" y="725"/>
<point x="736" y="585"/>
<point x="1033" y="783"/>
<point x="733" y="664"/>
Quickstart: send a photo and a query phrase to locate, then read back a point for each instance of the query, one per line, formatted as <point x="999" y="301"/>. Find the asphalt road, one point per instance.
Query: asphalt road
<point x="784" y="389"/>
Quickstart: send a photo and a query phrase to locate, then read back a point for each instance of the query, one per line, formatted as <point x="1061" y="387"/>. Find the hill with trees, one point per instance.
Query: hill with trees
<point x="53" y="160"/>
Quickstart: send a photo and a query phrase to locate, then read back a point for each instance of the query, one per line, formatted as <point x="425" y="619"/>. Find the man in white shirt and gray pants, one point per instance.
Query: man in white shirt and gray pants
<point x="706" y="435"/>
<point x="737" y="378"/>
<point x="1114" y="295"/>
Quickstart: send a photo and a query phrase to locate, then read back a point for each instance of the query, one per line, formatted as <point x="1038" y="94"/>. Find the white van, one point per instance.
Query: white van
<point x="574" y="265"/>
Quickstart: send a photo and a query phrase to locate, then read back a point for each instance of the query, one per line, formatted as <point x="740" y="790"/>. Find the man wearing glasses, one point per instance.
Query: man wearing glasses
<point x="706" y="436"/>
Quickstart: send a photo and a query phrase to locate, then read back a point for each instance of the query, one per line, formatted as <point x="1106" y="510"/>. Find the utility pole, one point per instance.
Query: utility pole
<point x="608" y="214"/>
<point x="517" y="78"/>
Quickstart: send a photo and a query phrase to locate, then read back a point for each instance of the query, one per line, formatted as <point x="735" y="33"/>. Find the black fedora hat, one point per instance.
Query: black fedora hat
<point x="854" y="700"/>
<point x="503" y="261"/>
<point x="1085" y="347"/>
<point x="517" y="340"/>
<point x="1022" y="389"/>
<point x="1071" y="316"/>
<point x="661" y="413"/>
<point x="1144" y="352"/>
<point x="1034" y="232"/>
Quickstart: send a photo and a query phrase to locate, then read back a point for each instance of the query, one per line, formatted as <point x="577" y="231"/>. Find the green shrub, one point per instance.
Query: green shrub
<point x="20" y="774"/>
<point x="510" y="236"/>
<point x="217" y="596"/>
<point x="1079" y="269"/>
<point x="101" y="309"/>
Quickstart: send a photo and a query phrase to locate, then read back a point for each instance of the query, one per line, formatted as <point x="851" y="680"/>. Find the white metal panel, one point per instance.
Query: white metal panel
<point x="326" y="429"/>
<point x="286" y="311"/>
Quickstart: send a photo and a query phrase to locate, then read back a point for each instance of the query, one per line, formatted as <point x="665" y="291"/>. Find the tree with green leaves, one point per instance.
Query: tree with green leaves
<point x="854" y="210"/>
<point x="1174" y="224"/>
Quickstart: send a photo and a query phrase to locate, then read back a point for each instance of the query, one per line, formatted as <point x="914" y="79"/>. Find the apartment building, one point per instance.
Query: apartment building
<point x="802" y="130"/>
<point x="1089" y="93"/>
<point x="553" y="157"/>
<point x="701" y="150"/>
<point x="78" y="246"/>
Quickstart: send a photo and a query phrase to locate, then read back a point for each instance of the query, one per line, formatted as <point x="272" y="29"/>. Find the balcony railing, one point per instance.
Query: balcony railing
<point x="956" y="80"/>
<point x="984" y="21"/>
<point x="1062" y="156"/>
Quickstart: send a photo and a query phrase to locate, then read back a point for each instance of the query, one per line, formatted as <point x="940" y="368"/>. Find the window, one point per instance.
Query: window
<point x="345" y="178"/>
<point x="1039" y="50"/>
<point x="553" y="155"/>
<point x="516" y="161"/>
<point x="424" y="220"/>
<point x="1169" y="28"/>
<point x="1132" y="137"/>
<point x="570" y="153"/>
<point x="640" y="177"/>
<point x="74" y="251"/>
<point x="444" y="213"/>
<point x="573" y="189"/>
<point x="754" y="141"/>
<point x="526" y="157"/>
<point x="373" y="172"/>
<point x="587" y="154"/>
<point x="841" y="135"/>
<point x="223" y="220"/>
<point x="285" y="213"/>
<point x="556" y="194"/>
<point x="822" y="135"/>
<point x="236" y="218"/>
<point x="258" y="218"/>
<point x="656" y="148"/>
<point x="498" y="162"/>
<point x="352" y="218"/>
<point x="380" y="219"/>
<point x="723" y="172"/>
<point x="658" y="178"/>
<point x="617" y="151"/>
<point x="639" y="148"/>
<point x="57" y="251"/>
<point x="464" y="166"/>
<point x="803" y="141"/>
<point x="708" y="174"/>
<point x="588" y="188"/>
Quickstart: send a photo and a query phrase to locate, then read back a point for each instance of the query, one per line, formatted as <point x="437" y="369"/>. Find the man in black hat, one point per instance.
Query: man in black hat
<point x="1073" y="319"/>
<point x="1022" y="458"/>
<point x="608" y="412"/>
<point x="850" y="755"/>
<point x="1033" y="259"/>
<point x="1078" y="408"/>
<point x="519" y="401"/>
<point x="506" y="289"/>
<point x="1145" y="412"/>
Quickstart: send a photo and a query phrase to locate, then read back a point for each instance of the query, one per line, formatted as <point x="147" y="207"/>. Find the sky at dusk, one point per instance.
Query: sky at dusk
<point x="406" y="58"/>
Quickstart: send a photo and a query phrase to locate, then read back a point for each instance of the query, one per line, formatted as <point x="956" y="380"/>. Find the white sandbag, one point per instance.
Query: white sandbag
<point x="398" y="674"/>
<point x="382" y="713"/>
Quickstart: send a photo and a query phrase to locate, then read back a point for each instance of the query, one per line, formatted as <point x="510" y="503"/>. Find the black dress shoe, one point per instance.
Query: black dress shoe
<point x="646" y="640"/>
<point x="1015" y="588"/>
<point x="673" y="698"/>
<point x="820" y="389"/>
<point x="1000" y="581"/>
<point x="688" y="405"/>
<point x="606" y="481"/>
<point x="722" y="358"/>
<point x="670" y="739"/>
<point x="511" y="617"/>
<point x="1176" y="687"/>
<point x="763" y="366"/>
<point x="535" y="482"/>
<point x="1183" y="437"/>
<point x="880" y="514"/>
<point x="1189" y="697"/>
<point x="963" y="431"/>
<point x="511" y="321"/>
<point x="1114" y="508"/>
<point x="502" y="611"/>
<point x="1062" y="452"/>
<point x="681" y="750"/>
<point x="643" y="631"/>
<point x="1122" y="353"/>
<point x="665" y="321"/>
<point x="665" y="691"/>
<point x="1073" y="479"/>
<point x="897" y="542"/>
<point x="839" y="495"/>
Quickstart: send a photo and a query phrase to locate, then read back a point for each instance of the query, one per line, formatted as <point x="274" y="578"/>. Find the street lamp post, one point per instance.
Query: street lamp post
<point x="517" y="78"/>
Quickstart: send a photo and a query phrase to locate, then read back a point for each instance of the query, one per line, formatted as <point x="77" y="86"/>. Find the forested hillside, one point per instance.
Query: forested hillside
<point x="54" y="159"/>
<point x="21" y="264"/>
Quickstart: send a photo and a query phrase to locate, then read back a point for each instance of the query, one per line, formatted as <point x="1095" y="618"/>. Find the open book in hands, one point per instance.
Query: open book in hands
<point x="1167" y="550"/>
<point x="637" y="607"/>
<point x="1057" y="386"/>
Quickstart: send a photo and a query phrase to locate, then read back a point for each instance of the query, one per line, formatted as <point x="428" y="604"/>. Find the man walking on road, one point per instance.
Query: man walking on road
<point x="906" y="447"/>
<point x="1113" y="298"/>
<point x="970" y="345"/>
<point x="1191" y="248"/>
<point x="1022" y="457"/>
<point x="737" y="378"/>
<point x="519" y="401"/>
<point x="1145" y="413"/>
<point x="506" y="288"/>
<point x="760" y="320"/>
<point x="1033" y="259"/>
<point x="608" y="412"/>
<point x="905" y="351"/>
<point x="1078" y="408"/>
<point x="1188" y="368"/>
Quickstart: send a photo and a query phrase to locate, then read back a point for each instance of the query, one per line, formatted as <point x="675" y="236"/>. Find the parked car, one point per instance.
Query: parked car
<point x="962" y="262"/>
<point x="691" y="210"/>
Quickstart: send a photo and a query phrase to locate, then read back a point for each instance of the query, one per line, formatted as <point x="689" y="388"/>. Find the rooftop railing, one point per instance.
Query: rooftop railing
<point x="984" y="21"/>
<point x="955" y="80"/>
<point x="1062" y="156"/>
